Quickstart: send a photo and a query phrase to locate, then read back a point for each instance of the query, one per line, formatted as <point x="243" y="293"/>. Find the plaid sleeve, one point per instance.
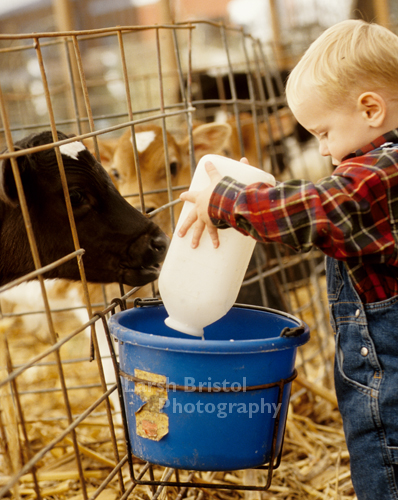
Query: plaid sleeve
<point x="266" y="213"/>
<point x="346" y="215"/>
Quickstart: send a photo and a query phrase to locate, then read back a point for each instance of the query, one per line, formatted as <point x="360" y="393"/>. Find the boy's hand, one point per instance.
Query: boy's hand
<point x="198" y="217"/>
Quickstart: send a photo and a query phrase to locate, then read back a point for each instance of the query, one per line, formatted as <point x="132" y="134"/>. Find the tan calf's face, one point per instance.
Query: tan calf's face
<point x="208" y="138"/>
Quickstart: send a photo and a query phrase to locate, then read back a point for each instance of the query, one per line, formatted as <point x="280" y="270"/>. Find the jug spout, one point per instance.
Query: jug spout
<point x="183" y="327"/>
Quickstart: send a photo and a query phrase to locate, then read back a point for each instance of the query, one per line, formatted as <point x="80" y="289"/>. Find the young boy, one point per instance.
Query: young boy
<point x="345" y="92"/>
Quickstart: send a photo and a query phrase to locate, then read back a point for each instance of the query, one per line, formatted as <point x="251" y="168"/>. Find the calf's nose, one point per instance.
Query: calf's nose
<point x="150" y="248"/>
<point x="159" y="245"/>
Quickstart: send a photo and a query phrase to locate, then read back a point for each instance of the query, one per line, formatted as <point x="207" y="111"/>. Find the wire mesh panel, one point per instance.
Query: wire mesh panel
<point x="148" y="102"/>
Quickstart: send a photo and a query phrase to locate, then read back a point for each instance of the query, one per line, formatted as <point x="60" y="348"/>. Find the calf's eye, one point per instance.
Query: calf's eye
<point x="76" y="198"/>
<point x="115" y="173"/>
<point x="173" y="168"/>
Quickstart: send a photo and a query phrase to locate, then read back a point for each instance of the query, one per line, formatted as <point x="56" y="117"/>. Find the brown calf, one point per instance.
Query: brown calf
<point x="208" y="138"/>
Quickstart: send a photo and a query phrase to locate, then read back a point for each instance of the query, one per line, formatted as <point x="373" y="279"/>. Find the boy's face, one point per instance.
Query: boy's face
<point x="340" y="131"/>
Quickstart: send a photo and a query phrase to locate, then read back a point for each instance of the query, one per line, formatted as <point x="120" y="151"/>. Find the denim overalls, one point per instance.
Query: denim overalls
<point x="366" y="379"/>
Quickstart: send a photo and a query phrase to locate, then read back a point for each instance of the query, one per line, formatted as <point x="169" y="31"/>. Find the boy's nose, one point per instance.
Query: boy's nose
<point x="323" y="149"/>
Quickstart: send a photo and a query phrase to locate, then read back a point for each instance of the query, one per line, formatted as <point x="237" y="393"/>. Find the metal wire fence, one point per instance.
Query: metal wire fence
<point x="61" y="430"/>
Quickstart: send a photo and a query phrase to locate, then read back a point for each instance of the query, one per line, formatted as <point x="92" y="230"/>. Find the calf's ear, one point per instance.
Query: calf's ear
<point x="208" y="138"/>
<point x="8" y="188"/>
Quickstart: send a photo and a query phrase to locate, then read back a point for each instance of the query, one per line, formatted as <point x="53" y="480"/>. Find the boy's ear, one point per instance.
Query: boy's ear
<point x="373" y="108"/>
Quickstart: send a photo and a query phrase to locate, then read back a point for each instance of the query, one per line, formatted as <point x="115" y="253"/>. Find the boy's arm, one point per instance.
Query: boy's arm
<point x="346" y="215"/>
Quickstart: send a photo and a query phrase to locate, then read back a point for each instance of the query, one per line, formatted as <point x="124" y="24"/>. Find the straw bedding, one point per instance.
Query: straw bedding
<point x="315" y="462"/>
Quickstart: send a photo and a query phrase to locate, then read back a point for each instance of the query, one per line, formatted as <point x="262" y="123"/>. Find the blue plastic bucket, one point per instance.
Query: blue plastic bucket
<point x="200" y="404"/>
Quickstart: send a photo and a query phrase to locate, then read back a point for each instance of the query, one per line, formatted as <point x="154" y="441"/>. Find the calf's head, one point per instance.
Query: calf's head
<point x="121" y="244"/>
<point x="152" y="167"/>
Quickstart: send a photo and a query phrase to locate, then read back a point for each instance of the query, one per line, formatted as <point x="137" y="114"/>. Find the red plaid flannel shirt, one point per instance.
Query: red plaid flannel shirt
<point x="351" y="215"/>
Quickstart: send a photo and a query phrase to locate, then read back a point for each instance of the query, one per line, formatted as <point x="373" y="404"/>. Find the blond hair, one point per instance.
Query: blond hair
<point x="347" y="59"/>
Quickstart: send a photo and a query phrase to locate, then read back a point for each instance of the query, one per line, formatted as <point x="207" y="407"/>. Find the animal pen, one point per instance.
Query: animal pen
<point x="62" y="434"/>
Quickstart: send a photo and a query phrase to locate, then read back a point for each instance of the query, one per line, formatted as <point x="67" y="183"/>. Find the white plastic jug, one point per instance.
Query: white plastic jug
<point x="199" y="286"/>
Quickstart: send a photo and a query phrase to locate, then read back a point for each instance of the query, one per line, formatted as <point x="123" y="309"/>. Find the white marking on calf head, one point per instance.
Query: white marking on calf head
<point x="144" y="139"/>
<point x="72" y="149"/>
<point x="221" y="116"/>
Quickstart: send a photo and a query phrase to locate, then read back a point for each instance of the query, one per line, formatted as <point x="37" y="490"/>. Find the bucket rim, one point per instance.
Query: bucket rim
<point x="195" y="344"/>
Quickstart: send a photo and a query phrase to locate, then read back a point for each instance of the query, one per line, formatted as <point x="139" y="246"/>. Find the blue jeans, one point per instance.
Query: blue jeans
<point x="366" y="380"/>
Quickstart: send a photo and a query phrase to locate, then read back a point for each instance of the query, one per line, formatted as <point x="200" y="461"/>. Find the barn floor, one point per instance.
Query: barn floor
<point x="314" y="464"/>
